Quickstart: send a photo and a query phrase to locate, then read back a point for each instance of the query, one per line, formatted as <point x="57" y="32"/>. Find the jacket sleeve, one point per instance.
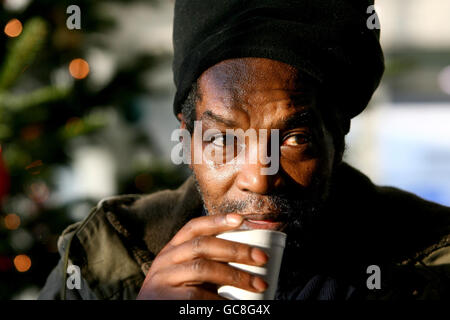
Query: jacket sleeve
<point x="58" y="279"/>
<point x="52" y="289"/>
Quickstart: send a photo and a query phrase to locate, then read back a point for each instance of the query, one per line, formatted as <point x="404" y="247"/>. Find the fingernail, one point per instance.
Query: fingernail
<point x="259" y="256"/>
<point x="233" y="219"/>
<point x="259" y="284"/>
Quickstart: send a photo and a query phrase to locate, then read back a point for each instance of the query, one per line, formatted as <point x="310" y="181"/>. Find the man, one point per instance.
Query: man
<point x="299" y="70"/>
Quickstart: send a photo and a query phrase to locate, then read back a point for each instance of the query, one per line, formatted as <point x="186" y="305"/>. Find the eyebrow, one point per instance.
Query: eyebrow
<point x="210" y="116"/>
<point x="297" y="120"/>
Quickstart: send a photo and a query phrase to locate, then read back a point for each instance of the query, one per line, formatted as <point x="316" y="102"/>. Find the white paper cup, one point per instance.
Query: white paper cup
<point x="271" y="242"/>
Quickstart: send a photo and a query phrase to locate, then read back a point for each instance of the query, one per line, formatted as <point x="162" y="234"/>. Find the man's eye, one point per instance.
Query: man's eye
<point x="221" y="140"/>
<point x="296" y="140"/>
<point x="218" y="140"/>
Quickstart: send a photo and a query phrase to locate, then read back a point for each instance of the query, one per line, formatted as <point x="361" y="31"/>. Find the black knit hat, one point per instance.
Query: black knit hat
<point x="327" y="39"/>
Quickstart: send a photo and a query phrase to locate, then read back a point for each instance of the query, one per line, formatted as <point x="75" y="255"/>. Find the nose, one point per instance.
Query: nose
<point x="251" y="177"/>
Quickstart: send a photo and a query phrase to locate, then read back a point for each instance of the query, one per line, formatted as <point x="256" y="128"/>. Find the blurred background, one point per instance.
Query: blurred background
<point x="86" y="114"/>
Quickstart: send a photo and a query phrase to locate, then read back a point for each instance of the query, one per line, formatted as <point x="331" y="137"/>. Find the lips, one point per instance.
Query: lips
<point x="263" y="221"/>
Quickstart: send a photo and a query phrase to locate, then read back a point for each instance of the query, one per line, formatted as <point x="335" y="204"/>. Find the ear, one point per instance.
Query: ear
<point x="183" y="126"/>
<point x="181" y="119"/>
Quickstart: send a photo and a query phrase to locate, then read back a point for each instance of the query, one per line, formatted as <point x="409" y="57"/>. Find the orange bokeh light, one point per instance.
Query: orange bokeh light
<point x="12" y="221"/>
<point x="79" y="68"/>
<point x="22" y="262"/>
<point x="13" y="28"/>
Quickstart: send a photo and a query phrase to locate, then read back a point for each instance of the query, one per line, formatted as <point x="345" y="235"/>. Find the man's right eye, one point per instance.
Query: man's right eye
<point x="296" y="140"/>
<point x="221" y="140"/>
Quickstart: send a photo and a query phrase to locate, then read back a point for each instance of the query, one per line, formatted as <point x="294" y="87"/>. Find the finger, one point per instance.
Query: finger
<point x="208" y="225"/>
<point x="208" y="271"/>
<point x="212" y="248"/>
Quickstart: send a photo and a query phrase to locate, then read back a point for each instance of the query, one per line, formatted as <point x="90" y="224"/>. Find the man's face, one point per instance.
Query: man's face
<point x="257" y="93"/>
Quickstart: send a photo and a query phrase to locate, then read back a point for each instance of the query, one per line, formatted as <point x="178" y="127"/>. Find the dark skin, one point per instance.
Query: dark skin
<point x="242" y="93"/>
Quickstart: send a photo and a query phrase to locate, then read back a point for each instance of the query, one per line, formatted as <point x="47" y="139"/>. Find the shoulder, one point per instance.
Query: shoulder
<point x="425" y="268"/>
<point x="423" y="225"/>
<point x="98" y="252"/>
<point x="409" y="224"/>
<point x="412" y="239"/>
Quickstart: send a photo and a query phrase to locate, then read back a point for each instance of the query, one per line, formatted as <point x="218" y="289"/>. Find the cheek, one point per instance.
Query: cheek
<point x="215" y="182"/>
<point x="213" y="177"/>
<point x="303" y="172"/>
<point x="309" y="170"/>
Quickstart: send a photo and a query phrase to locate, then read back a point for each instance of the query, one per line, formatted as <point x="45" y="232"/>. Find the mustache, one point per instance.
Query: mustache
<point x="271" y="206"/>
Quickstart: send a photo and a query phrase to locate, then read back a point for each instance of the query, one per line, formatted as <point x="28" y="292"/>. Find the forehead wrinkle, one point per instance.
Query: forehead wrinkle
<point x="298" y="101"/>
<point x="226" y="97"/>
<point x="216" y="118"/>
<point x="238" y="78"/>
<point x="292" y="100"/>
<point x="243" y="85"/>
<point x="287" y="115"/>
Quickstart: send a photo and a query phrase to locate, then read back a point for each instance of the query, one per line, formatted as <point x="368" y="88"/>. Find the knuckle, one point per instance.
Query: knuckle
<point x="234" y="249"/>
<point x="218" y="218"/>
<point x="248" y="252"/>
<point x="236" y="276"/>
<point x="197" y="245"/>
<point x="198" y="265"/>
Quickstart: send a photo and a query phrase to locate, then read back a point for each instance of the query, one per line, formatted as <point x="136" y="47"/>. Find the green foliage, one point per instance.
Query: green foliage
<point x="41" y="123"/>
<point x="23" y="52"/>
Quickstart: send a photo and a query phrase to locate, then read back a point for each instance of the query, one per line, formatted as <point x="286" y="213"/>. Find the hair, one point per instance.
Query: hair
<point x="335" y="122"/>
<point x="188" y="106"/>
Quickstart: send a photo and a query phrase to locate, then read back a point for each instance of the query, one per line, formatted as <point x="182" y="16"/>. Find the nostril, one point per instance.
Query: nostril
<point x="251" y="180"/>
<point x="254" y="184"/>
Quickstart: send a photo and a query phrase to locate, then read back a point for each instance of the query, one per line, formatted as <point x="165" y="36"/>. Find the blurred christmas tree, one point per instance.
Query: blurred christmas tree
<point x="47" y="109"/>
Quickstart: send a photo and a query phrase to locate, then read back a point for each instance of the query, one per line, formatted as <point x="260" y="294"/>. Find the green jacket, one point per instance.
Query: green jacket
<point x="406" y="236"/>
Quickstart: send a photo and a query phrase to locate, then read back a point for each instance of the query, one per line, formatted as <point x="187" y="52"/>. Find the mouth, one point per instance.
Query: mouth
<point x="263" y="221"/>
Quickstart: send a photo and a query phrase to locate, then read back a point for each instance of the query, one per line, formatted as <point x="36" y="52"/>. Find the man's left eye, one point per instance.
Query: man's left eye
<point x="296" y="140"/>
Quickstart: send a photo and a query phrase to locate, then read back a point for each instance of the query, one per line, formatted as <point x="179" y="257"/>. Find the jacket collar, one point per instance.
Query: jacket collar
<point x="156" y="217"/>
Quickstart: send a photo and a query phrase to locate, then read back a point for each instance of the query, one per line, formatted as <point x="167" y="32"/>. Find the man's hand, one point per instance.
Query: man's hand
<point x="194" y="263"/>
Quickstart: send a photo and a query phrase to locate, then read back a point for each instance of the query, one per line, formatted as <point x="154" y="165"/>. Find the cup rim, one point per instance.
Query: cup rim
<point x="277" y="238"/>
